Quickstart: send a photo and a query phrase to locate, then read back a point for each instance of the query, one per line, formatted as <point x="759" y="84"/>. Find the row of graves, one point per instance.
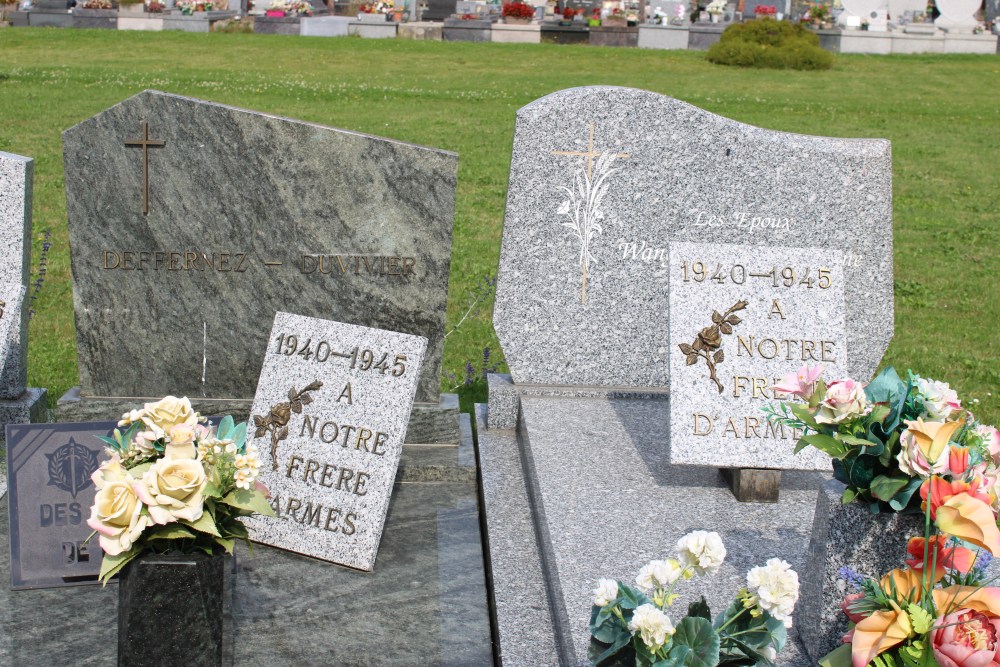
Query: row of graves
<point x="856" y="26"/>
<point x="661" y="268"/>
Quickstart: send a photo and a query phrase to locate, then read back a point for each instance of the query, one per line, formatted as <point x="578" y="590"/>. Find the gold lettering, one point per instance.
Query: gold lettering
<point x="774" y="350"/>
<point x="408" y="263"/>
<point x="738" y="385"/>
<point x="394" y="269"/>
<point x="290" y="510"/>
<point x="224" y="262"/>
<point x="311" y="425"/>
<point x="312" y="515"/>
<point x="127" y="256"/>
<point x="292" y="465"/>
<point x="751" y="429"/>
<point x="327" y="471"/>
<point x="329" y="518"/>
<point x="312" y="265"/>
<point x="322" y="433"/>
<point x="115" y="255"/>
<point x="759" y="387"/>
<point x="348" y="524"/>
<point x="807" y="348"/>
<point x="827" y="347"/>
<point x="364" y="435"/>
<point x="359" y="483"/>
<point x="340" y="263"/>
<point x="731" y="426"/>
<point x="711" y="425"/>
<point x="243" y="259"/>
<point x="380" y="439"/>
<point x="776" y="308"/>
<point x="188" y="258"/>
<point x="743" y="345"/>
<point x="143" y="257"/>
<point x="345" y="474"/>
<point x="311" y="468"/>
<point x="346" y="393"/>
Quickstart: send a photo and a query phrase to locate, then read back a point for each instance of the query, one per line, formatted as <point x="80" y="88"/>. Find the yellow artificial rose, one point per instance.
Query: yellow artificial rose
<point x="172" y="490"/>
<point x="110" y="471"/>
<point x="169" y="412"/>
<point x="181" y="444"/>
<point x="117" y="516"/>
<point x="931" y="438"/>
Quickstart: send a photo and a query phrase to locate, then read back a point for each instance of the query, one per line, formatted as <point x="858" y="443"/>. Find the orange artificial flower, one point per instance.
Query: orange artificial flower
<point x="931" y="437"/>
<point x="903" y="585"/>
<point x="970" y="519"/>
<point x="958" y="460"/>
<point x="986" y="599"/>
<point x="955" y="558"/>
<point x="941" y="490"/>
<point x="879" y="633"/>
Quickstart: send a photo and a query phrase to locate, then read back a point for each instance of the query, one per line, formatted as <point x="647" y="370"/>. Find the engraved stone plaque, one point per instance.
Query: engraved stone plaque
<point x="13" y="339"/>
<point x="740" y="320"/>
<point x="50" y="494"/>
<point x="328" y="419"/>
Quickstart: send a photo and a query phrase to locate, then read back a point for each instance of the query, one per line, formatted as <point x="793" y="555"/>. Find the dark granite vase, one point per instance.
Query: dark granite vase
<point x="173" y="609"/>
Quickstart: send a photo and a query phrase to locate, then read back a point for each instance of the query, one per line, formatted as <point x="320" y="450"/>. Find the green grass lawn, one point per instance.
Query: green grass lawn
<point x="942" y="114"/>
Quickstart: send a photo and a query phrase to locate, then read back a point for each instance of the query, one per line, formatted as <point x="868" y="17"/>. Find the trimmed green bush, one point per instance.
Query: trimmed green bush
<point x="770" y="44"/>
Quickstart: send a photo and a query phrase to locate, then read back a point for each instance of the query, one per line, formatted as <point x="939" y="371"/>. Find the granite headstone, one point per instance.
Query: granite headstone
<point x="992" y="10"/>
<point x="604" y="179"/>
<point x="50" y="498"/>
<point x="13" y="353"/>
<point x="741" y="319"/>
<point x="329" y="417"/>
<point x="216" y="211"/>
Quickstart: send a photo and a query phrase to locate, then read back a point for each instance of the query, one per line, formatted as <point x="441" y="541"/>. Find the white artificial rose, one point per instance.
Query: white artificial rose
<point x="777" y="588"/>
<point x="845" y="399"/>
<point x="653" y="626"/>
<point x="659" y="574"/>
<point x="117" y="516"/>
<point x="912" y="459"/>
<point x="940" y="400"/>
<point x="702" y="551"/>
<point x="172" y="490"/>
<point x="110" y="471"/>
<point x="606" y="592"/>
<point x="168" y="412"/>
<point x="181" y="443"/>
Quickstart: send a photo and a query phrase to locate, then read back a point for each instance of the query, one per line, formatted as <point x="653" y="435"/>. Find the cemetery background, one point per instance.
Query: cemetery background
<point x="940" y="112"/>
<point x="921" y="288"/>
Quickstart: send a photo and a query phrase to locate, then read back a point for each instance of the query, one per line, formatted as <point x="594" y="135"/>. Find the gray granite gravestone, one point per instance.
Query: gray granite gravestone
<point x="740" y="321"/>
<point x="609" y="189"/>
<point x="217" y="212"/>
<point x="992" y="10"/>
<point x="18" y="403"/>
<point x="329" y="417"/>
<point x="602" y="180"/>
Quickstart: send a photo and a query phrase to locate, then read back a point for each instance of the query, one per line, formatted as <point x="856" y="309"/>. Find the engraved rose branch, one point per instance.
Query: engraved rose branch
<point x="708" y="343"/>
<point x="276" y="421"/>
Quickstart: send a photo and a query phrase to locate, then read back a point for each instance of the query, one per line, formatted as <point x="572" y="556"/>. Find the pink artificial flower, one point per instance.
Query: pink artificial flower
<point x="958" y="460"/>
<point x="966" y="638"/>
<point x="845" y="606"/>
<point x="845" y="399"/>
<point x="802" y="383"/>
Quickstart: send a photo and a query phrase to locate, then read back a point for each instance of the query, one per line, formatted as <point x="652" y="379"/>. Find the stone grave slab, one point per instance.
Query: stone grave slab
<point x="49" y="468"/>
<point x="288" y="609"/>
<point x="604" y="179"/>
<point x="545" y="535"/>
<point x="739" y="322"/>
<point x="210" y="202"/>
<point x="329" y="417"/>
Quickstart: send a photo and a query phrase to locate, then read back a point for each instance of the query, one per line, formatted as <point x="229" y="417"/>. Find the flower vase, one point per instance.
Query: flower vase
<point x="845" y="536"/>
<point x="715" y="18"/>
<point x="274" y="13"/>
<point x="174" y="609"/>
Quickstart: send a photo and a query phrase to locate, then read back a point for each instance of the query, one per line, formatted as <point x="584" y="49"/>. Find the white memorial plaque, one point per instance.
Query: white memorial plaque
<point x="741" y="318"/>
<point x="329" y="417"/>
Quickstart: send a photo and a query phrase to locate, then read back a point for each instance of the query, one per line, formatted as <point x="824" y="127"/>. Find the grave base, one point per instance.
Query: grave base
<point x="31" y="408"/>
<point x="324" y="26"/>
<point x="614" y="36"/>
<point x="149" y="22"/>
<point x="851" y="536"/>
<point x="372" y="30"/>
<point x="459" y="30"/>
<point x="553" y="33"/>
<point x="703" y="35"/>
<point x="429" y="423"/>
<point x="420" y="30"/>
<point x="197" y="22"/>
<point x="663" y="37"/>
<point x="575" y="487"/>
<point x="425" y="603"/>
<point x="41" y="18"/>
<point x="513" y="33"/>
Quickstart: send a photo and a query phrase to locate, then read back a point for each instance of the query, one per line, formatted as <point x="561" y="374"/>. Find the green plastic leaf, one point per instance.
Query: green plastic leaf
<point x="857" y="442"/>
<point x="225" y="426"/>
<point x="248" y="500"/>
<point x="172" y="531"/>
<point x="226" y="543"/>
<point x="631" y="597"/>
<point x="920" y="619"/>
<point x="111" y="442"/>
<point x="902" y="498"/>
<point x="839" y="657"/>
<point x="887" y="387"/>
<point x="700" y="609"/>
<point x="599" y="652"/>
<point x="803" y="414"/>
<point x="849" y="496"/>
<point x="827" y="444"/>
<point x="111" y="565"/>
<point x="697" y="635"/>
<point x="885" y="487"/>
<point x="204" y="524"/>
<point x="604" y="625"/>
<point x="140" y="470"/>
<point x="239" y="436"/>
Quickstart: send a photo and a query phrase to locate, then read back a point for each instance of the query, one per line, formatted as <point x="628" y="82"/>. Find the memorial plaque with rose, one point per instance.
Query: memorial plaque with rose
<point x="329" y="417"/>
<point x="741" y="320"/>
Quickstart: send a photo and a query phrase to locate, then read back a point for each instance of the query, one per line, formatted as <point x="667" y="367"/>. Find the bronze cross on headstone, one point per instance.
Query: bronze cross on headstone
<point x="590" y="153"/>
<point x="145" y="142"/>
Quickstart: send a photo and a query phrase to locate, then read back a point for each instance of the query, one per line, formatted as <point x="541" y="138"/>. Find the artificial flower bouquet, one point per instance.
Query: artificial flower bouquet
<point x="631" y="624"/>
<point x="890" y="439"/>
<point x="188" y="7"/>
<point x="766" y="11"/>
<point x="716" y="7"/>
<point x="173" y="483"/>
<point x="518" y="10"/>
<point x="292" y="7"/>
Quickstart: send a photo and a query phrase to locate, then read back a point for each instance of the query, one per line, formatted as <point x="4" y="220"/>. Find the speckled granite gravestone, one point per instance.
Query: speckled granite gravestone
<point x="603" y="179"/>
<point x="206" y="212"/>
<point x="739" y="322"/>
<point x="328" y="418"/>
<point x="575" y="445"/>
<point x="18" y="403"/>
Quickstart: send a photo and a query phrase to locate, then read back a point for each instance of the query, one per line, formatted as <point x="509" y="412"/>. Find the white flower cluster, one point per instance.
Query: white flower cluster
<point x="940" y="400"/>
<point x="247" y="468"/>
<point x="702" y="551"/>
<point x="652" y="624"/>
<point x="776" y="586"/>
<point x="659" y="574"/>
<point x="606" y="592"/>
